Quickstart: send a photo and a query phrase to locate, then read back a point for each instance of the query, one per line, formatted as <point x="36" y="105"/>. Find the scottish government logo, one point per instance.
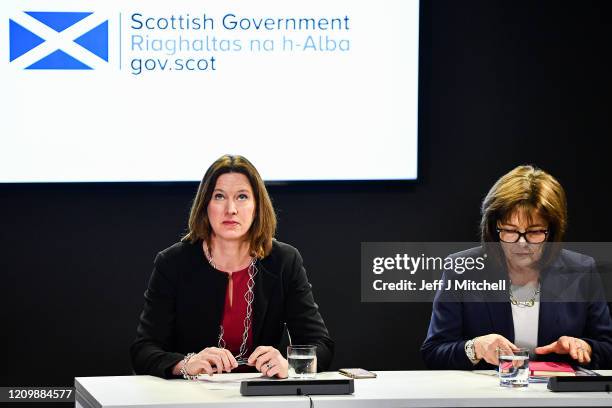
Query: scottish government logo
<point x="58" y="40"/>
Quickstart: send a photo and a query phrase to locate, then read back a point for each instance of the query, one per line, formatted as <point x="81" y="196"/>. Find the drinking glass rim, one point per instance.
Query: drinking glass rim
<point x="303" y="346"/>
<point x="507" y="351"/>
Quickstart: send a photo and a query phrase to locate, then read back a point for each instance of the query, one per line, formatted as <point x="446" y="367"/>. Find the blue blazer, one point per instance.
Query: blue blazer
<point x="454" y="321"/>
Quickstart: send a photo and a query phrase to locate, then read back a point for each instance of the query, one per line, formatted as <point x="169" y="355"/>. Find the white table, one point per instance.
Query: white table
<point x="390" y="389"/>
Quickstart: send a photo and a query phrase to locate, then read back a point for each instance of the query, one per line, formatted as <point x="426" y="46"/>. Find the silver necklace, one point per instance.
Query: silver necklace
<point x="249" y="296"/>
<point x="524" y="303"/>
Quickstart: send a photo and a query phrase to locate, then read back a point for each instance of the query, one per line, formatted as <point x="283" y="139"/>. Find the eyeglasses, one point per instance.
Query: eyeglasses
<point x="512" y="236"/>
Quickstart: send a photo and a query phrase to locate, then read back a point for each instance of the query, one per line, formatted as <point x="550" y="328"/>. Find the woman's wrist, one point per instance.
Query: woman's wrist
<point x="470" y="351"/>
<point x="477" y="348"/>
<point x="176" y="370"/>
<point x="183" y="367"/>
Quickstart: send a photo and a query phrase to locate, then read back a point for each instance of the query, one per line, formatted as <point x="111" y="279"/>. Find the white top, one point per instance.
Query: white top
<point x="390" y="389"/>
<point x="526" y="318"/>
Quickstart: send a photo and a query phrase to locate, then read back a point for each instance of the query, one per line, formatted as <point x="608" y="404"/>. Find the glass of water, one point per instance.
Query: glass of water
<point x="302" y="361"/>
<point x="513" y="367"/>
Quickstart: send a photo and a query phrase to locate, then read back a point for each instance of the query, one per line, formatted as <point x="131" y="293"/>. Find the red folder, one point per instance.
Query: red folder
<point x="550" y="369"/>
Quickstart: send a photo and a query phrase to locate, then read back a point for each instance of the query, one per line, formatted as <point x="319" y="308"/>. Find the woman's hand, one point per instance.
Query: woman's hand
<point x="578" y="349"/>
<point x="209" y="361"/>
<point x="487" y="347"/>
<point x="269" y="361"/>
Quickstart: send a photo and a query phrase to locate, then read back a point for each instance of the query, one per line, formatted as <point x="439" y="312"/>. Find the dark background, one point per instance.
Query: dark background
<point x="503" y="83"/>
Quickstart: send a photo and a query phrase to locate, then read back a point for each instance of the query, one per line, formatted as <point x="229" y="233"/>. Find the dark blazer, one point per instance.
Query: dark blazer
<point x="185" y="299"/>
<point x="454" y="320"/>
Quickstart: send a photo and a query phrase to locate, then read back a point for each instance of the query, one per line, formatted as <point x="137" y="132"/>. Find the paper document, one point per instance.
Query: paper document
<point x="229" y="381"/>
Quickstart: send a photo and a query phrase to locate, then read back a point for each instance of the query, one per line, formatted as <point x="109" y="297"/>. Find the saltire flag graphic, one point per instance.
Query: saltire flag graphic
<point x="58" y="39"/>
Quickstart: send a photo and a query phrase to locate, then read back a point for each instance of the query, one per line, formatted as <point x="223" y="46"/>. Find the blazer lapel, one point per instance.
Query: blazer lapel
<point x="206" y="288"/>
<point x="500" y="312"/>
<point x="547" y="319"/>
<point x="264" y="284"/>
<point x="552" y="285"/>
<point x="500" y="315"/>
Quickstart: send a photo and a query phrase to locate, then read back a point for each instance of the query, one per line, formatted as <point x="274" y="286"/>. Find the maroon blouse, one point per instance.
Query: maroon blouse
<point x="235" y="312"/>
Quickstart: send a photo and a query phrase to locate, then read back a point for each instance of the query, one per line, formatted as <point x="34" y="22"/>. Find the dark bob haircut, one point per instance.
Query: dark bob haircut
<point x="530" y="191"/>
<point x="262" y="230"/>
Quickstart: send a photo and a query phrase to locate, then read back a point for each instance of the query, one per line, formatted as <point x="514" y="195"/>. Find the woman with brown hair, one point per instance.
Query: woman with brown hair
<point x="524" y="218"/>
<point x="223" y="296"/>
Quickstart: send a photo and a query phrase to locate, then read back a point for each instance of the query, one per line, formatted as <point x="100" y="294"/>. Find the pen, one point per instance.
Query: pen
<point x="586" y="371"/>
<point x="244" y="361"/>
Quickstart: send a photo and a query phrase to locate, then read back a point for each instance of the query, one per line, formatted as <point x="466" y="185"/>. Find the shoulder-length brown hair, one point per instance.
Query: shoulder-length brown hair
<point x="262" y="229"/>
<point x="530" y="190"/>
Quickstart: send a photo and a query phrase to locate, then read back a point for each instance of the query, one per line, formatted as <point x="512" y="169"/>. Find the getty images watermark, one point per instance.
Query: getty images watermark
<point x="471" y="272"/>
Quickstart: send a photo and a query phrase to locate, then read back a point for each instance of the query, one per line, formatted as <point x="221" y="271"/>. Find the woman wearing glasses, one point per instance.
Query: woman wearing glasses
<point x="523" y="221"/>
<point x="223" y="296"/>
